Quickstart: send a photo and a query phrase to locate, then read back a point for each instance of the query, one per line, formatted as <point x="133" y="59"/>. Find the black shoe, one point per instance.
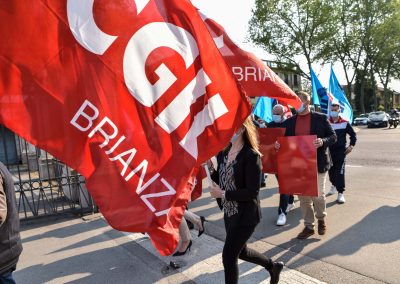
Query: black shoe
<point x="321" y="227"/>
<point x="178" y="253"/>
<point x="307" y="232"/>
<point x="202" y="219"/>
<point x="275" y="272"/>
<point x="190" y="225"/>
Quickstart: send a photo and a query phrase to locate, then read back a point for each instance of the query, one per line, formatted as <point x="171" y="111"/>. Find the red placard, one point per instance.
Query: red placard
<point x="297" y="165"/>
<point x="268" y="137"/>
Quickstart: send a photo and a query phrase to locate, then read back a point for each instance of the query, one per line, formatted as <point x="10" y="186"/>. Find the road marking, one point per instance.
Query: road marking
<point x="354" y="166"/>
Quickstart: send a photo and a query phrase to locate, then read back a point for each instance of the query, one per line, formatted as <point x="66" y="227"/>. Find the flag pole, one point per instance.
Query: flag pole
<point x="209" y="180"/>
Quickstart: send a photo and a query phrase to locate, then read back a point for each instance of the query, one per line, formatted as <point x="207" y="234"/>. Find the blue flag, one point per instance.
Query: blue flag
<point x="319" y="94"/>
<point x="339" y="96"/>
<point x="263" y="108"/>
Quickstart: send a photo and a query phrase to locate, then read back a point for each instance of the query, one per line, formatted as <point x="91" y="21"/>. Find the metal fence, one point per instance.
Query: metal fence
<point x="43" y="184"/>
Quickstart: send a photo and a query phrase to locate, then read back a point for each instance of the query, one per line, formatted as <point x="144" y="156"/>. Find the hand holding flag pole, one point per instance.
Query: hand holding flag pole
<point x="209" y="180"/>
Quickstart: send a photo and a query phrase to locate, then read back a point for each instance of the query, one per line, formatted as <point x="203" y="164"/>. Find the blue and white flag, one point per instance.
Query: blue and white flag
<point x="263" y="108"/>
<point x="339" y="96"/>
<point x="319" y="94"/>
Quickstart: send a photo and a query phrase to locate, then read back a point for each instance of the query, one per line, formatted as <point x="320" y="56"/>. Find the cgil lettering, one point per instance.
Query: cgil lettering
<point x="252" y="73"/>
<point x="84" y="120"/>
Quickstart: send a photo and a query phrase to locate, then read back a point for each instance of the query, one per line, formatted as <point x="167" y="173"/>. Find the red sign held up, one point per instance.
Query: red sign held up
<point x="268" y="137"/>
<point x="297" y="166"/>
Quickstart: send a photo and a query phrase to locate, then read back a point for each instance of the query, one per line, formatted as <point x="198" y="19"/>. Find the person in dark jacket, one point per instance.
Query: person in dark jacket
<point x="237" y="186"/>
<point x="339" y="151"/>
<point x="307" y="122"/>
<point x="10" y="241"/>
<point x="286" y="202"/>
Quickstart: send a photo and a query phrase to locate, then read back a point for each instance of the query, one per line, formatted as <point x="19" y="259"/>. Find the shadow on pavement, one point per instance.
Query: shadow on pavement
<point x="380" y="226"/>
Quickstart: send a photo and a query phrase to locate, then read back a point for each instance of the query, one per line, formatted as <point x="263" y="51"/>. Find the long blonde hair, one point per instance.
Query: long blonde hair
<point x="250" y="135"/>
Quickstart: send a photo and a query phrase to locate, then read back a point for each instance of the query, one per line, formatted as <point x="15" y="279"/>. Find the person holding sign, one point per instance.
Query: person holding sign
<point x="307" y="122"/>
<point x="236" y="185"/>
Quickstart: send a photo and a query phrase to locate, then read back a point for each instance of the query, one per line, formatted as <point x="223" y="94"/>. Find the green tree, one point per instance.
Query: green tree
<point x="346" y="46"/>
<point x="293" y="30"/>
<point x="354" y="45"/>
<point x="369" y="89"/>
<point x="386" y="40"/>
<point x="364" y="17"/>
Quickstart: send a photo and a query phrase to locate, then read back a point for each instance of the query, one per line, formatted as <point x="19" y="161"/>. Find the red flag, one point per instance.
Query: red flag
<point x="198" y="184"/>
<point x="132" y="94"/>
<point x="256" y="78"/>
<point x="297" y="166"/>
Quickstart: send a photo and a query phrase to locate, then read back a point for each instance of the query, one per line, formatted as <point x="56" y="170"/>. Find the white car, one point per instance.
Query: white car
<point x="362" y="119"/>
<point x="378" y="119"/>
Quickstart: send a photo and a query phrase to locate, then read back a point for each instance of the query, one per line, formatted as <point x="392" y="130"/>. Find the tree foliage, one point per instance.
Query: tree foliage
<point x="363" y="35"/>
<point x="291" y="29"/>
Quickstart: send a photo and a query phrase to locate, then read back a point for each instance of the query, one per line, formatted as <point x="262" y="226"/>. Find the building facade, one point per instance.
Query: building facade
<point x="289" y="73"/>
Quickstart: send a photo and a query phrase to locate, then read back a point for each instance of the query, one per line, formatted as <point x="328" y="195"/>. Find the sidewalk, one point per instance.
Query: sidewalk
<point x="71" y="250"/>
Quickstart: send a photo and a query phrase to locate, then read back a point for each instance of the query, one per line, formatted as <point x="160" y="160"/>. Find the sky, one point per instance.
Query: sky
<point x="234" y="16"/>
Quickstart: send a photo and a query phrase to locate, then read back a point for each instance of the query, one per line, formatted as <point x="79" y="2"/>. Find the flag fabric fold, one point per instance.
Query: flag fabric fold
<point x="339" y="96"/>
<point x="257" y="79"/>
<point x="134" y="97"/>
<point x="316" y="85"/>
<point x="319" y="93"/>
<point x="263" y="108"/>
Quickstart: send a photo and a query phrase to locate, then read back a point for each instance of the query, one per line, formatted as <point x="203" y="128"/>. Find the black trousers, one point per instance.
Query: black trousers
<point x="284" y="200"/>
<point x="336" y="172"/>
<point x="235" y="247"/>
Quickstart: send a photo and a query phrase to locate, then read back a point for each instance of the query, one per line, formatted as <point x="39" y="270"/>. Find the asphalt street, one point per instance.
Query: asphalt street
<point x="362" y="243"/>
<point x="363" y="240"/>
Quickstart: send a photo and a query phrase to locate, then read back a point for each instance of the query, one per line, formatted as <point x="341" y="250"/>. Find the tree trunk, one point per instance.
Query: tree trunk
<point x="349" y="89"/>
<point x="373" y="88"/>
<point x="362" y="87"/>
<point x="385" y="84"/>
<point x="385" y="97"/>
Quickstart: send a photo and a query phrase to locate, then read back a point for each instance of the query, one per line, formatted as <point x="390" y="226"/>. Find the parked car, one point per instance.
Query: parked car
<point x="378" y="119"/>
<point x="362" y="119"/>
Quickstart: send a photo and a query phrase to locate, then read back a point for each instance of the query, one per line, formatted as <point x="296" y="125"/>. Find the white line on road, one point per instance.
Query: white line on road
<point x="358" y="166"/>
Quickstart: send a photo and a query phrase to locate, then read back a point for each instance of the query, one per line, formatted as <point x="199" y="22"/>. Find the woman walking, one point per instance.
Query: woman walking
<point x="184" y="232"/>
<point x="237" y="187"/>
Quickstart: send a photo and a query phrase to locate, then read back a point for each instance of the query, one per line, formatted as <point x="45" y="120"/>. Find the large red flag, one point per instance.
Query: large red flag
<point x="254" y="75"/>
<point x="132" y="94"/>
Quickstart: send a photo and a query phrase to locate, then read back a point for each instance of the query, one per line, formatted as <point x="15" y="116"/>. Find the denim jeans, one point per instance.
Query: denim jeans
<point x="284" y="201"/>
<point x="7" y="278"/>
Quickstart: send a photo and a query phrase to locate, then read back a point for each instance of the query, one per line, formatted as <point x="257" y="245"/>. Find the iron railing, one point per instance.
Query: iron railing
<point x="43" y="184"/>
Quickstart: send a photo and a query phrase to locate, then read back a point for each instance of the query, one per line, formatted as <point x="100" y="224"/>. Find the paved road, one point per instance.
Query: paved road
<point x="363" y="240"/>
<point x="362" y="244"/>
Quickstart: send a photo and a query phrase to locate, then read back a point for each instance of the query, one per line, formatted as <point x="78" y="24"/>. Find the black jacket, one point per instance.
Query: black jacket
<point x="274" y="124"/>
<point x="10" y="241"/>
<point x="247" y="171"/>
<point x="342" y="128"/>
<point x="321" y="127"/>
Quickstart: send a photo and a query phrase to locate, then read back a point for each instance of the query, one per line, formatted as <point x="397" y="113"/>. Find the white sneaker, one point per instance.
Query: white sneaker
<point x="281" y="220"/>
<point x="340" y="198"/>
<point x="332" y="191"/>
<point x="290" y="207"/>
